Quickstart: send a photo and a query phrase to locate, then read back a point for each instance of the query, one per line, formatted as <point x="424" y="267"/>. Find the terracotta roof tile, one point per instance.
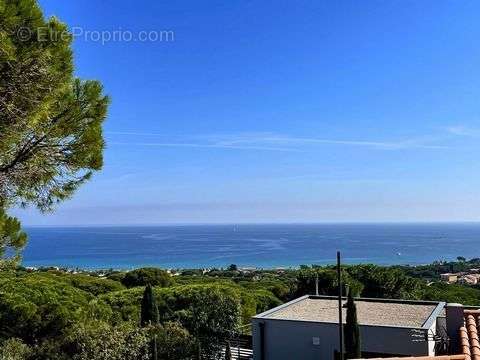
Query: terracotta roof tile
<point x="469" y="339"/>
<point x="443" y="357"/>
<point x="465" y="343"/>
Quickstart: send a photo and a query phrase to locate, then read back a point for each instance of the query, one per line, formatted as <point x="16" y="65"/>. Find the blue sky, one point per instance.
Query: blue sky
<point x="275" y="111"/>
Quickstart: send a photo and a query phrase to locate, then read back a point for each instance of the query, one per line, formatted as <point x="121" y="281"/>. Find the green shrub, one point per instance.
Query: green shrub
<point x="453" y="293"/>
<point x="211" y="313"/>
<point x="100" y="341"/>
<point x="174" y="342"/>
<point x="14" y="349"/>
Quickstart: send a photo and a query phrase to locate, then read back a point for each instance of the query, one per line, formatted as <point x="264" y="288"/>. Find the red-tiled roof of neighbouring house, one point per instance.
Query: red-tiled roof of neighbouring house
<point x="442" y="357"/>
<point x="469" y="340"/>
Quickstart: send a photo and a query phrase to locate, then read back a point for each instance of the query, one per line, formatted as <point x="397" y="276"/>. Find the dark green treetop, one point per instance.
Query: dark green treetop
<point x="147" y="276"/>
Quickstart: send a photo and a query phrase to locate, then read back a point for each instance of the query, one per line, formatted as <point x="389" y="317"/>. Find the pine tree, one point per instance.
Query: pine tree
<point x="352" y="331"/>
<point x="51" y="138"/>
<point x="149" y="311"/>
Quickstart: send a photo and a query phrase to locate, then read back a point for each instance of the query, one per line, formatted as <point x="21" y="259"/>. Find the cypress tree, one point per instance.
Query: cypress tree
<point x="352" y="331"/>
<point x="198" y="353"/>
<point x="149" y="312"/>
<point x="149" y="316"/>
<point x="153" y="345"/>
<point x="228" y="352"/>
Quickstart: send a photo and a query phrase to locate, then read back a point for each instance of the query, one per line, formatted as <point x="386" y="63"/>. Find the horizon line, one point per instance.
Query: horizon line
<point x="393" y="222"/>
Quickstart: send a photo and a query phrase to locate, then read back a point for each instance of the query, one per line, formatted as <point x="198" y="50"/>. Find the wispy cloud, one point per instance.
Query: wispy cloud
<point x="199" y="145"/>
<point x="134" y="133"/>
<point x="424" y="143"/>
<point x="272" y="142"/>
<point x="461" y="130"/>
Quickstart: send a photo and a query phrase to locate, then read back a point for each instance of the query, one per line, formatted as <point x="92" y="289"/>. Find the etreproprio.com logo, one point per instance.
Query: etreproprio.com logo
<point x="101" y="36"/>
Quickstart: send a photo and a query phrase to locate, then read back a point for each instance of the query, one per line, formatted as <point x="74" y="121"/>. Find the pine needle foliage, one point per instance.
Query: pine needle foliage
<point x="51" y="138"/>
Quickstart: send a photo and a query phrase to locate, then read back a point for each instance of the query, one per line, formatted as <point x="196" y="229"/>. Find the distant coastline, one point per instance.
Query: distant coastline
<point x="265" y="246"/>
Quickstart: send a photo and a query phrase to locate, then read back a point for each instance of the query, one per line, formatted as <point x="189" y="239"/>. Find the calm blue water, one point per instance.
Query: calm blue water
<point x="248" y="245"/>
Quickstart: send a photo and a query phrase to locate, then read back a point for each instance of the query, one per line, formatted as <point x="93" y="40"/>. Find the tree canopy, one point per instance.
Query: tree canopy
<point x="54" y="314"/>
<point x="50" y="121"/>
<point x="147" y="276"/>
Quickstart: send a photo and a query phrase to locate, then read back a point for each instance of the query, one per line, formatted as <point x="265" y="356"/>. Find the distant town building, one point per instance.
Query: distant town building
<point x="469" y="279"/>
<point x="449" y="277"/>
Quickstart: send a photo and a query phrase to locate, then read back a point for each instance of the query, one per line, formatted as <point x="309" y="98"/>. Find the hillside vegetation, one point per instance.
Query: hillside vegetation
<point x="54" y="314"/>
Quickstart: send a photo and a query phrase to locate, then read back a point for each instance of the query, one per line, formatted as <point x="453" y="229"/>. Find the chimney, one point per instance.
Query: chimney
<point x="454" y="320"/>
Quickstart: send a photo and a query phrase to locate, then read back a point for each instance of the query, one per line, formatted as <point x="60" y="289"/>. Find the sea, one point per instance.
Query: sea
<point x="250" y="246"/>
